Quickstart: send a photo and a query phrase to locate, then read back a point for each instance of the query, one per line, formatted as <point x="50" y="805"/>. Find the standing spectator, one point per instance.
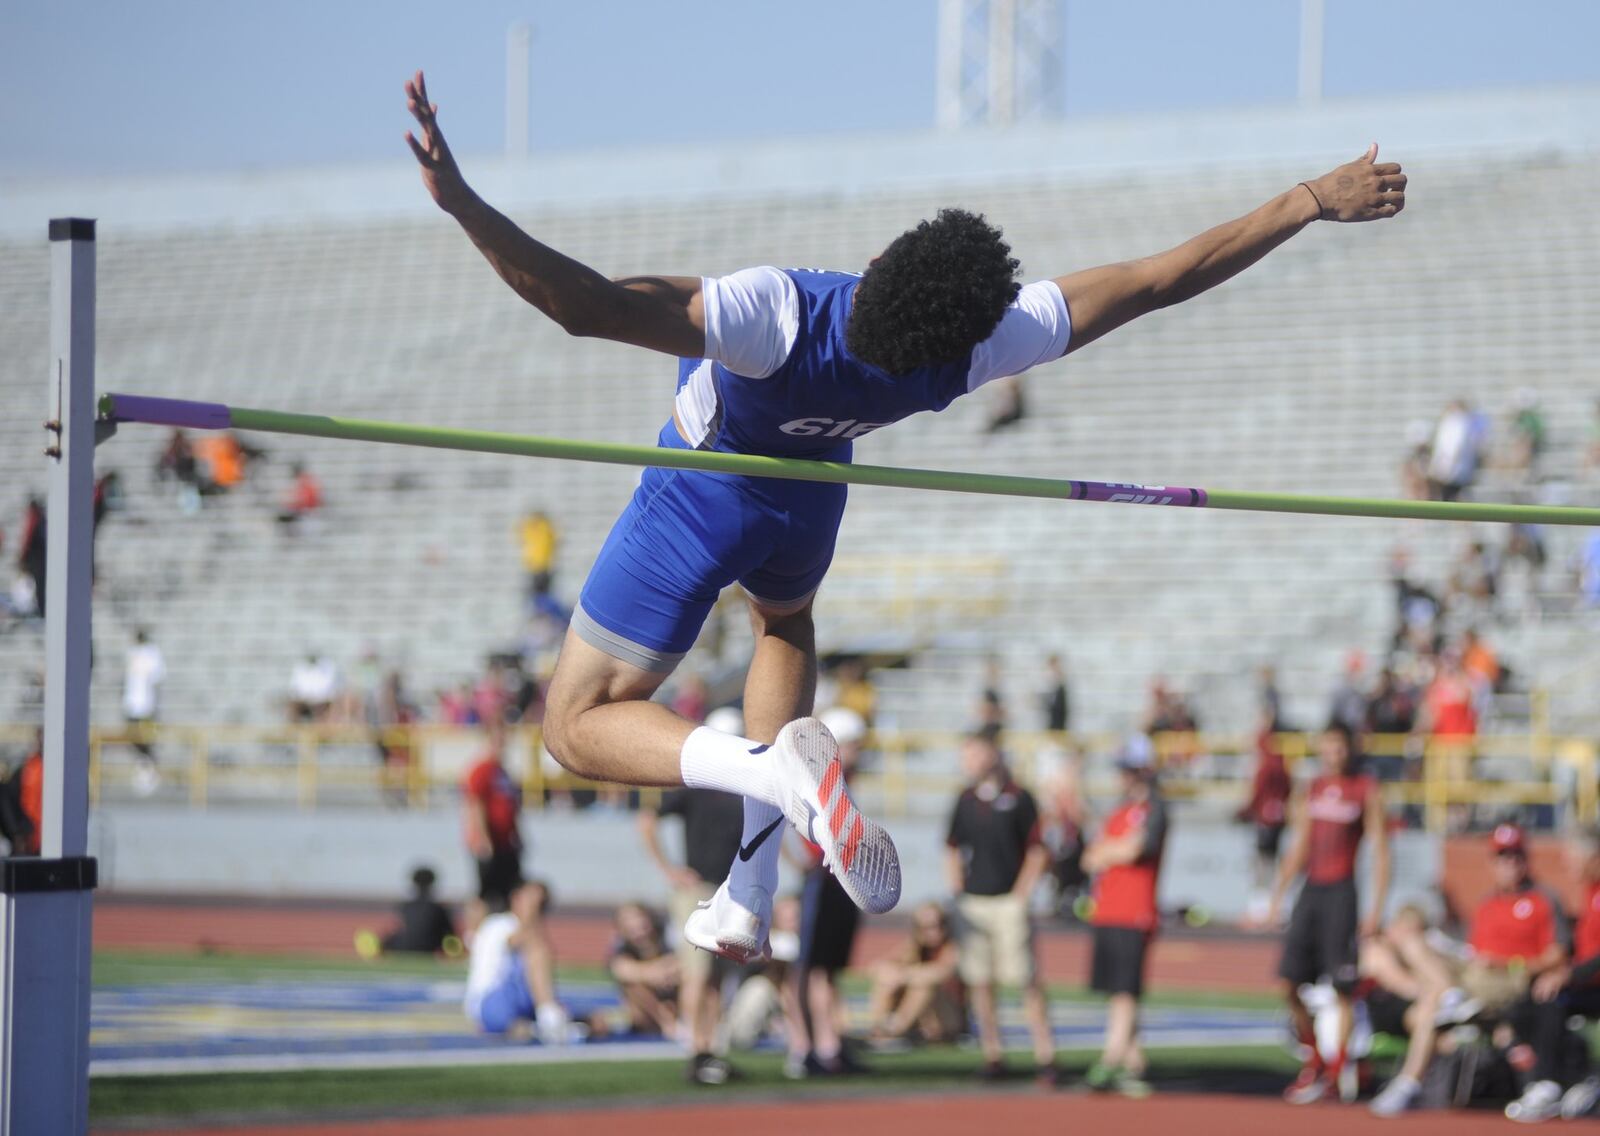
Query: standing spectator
<point x="712" y="826"/>
<point x="1267" y="810"/>
<point x="1171" y="723"/>
<point x="1449" y="716"/>
<point x="1126" y="859"/>
<point x="313" y="686"/>
<point x="1557" y="996"/>
<point x="1341" y="806"/>
<point x="143" y="671"/>
<point x="917" y="992"/>
<point x="1055" y="703"/>
<point x="31" y="550"/>
<point x="511" y="969"/>
<point x="392" y="712"/>
<point x="538" y="538"/>
<point x="1391" y="716"/>
<point x="993" y="860"/>
<point x="991" y="712"/>
<point x="1453" y="460"/>
<point x="1347" y="707"/>
<point x="829" y="920"/>
<point x="1480" y="661"/>
<point x="491" y="801"/>
<point x="1270" y="700"/>
<point x="1065" y="821"/>
<point x="303" y="498"/>
<point x="645" y="971"/>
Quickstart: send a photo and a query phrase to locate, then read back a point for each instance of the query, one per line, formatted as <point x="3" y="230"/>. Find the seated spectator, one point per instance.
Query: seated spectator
<point x="222" y="460"/>
<point x="1414" y="993"/>
<point x="916" y="993"/>
<point x="1558" y="995"/>
<point x="511" y="971"/>
<point x="1474" y="578"/>
<point x="645" y="971"/>
<point x="767" y="996"/>
<point x="426" y="927"/>
<point x="1480" y="661"/>
<point x="313" y="685"/>
<point x="1526" y="440"/>
<point x="1518" y="933"/>
<point x="303" y="498"/>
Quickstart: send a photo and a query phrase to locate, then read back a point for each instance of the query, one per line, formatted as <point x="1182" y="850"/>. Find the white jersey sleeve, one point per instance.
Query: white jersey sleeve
<point x="1035" y="329"/>
<point x="752" y="320"/>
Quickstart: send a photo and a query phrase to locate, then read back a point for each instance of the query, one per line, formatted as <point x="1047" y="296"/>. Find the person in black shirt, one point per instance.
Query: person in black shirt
<point x="646" y="973"/>
<point x="425" y="927"/>
<point x="713" y="823"/>
<point x="994" y="858"/>
<point x="1054" y="701"/>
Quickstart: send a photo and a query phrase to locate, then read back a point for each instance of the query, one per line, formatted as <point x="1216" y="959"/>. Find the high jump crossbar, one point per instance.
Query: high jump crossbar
<point x="183" y="413"/>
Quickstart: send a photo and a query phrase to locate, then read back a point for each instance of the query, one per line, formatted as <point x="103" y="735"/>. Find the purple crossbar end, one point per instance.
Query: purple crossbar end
<point x="166" y="412"/>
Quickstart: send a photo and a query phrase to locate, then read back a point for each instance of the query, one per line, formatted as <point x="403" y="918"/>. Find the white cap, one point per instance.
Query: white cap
<point x="726" y="720"/>
<point x="845" y="724"/>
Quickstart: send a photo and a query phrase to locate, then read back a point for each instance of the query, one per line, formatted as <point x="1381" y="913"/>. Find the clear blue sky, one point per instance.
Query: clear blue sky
<point x="111" y="86"/>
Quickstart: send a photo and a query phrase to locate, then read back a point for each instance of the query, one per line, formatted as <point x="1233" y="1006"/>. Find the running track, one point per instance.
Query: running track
<point x="933" y="1114"/>
<point x="1213" y="963"/>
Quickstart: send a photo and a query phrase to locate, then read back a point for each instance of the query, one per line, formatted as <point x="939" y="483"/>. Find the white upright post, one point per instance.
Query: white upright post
<point x="1312" y="19"/>
<point x="519" y="46"/>
<point x="45" y="901"/>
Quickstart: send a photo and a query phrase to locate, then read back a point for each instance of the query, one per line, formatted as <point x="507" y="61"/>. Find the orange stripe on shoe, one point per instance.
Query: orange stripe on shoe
<point x="851" y="842"/>
<point x="841" y="811"/>
<point x="830" y="782"/>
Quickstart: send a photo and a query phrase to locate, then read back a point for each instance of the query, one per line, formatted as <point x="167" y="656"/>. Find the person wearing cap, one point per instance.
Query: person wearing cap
<point x="1126" y="860"/>
<point x="1564" y="992"/>
<point x="1341" y="808"/>
<point x="995" y="854"/>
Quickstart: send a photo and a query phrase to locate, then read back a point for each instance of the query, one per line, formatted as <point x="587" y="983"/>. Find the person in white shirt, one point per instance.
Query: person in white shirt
<point x="143" y="671"/>
<point x="313" y="685"/>
<point x="511" y="970"/>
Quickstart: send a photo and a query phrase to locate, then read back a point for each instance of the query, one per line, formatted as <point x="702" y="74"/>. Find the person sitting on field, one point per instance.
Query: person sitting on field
<point x="1340" y="808"/>
<point x="425" y="924"/>
<point x="1415" y="993"/>
<point x="511" y="970"/>
<point x="646" y="972"/>
<point x="916" y="993"/>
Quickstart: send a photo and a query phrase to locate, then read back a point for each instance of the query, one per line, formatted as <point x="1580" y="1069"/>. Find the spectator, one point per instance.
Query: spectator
<point x="31" y="550"/>
<point x="1007" y="406"/>
<point x="1453" y="459"/>
<point x="223" y="461"/>
<point x="425" y="926"/>
<point x="767" y="993"/>
<point x="829" y="920"/>
<point x="1347" y="707"/>
<point x="1267" y="809"/>
<point x="22" y="803"/>
<point x="994" y="858"/>
<point x="1527" y="436"/>
<point x="1518" y="932"/>
<point x="1474" y="579"/>
<point x="392" y="712"/>
<point x="713" y="823"/>
<point x="313" y="686"/>
<point x="177" y="460"/>
<point x="916" y="992"/>
<point x="1480" y="661"/>
<point x="1415" y="993"/>
<point x="991" y="711"/>
<point x="143" y="671"/>
<point x="856" y="691"/>
<point x="1270" y="700"/>
<point x="1065" y="817"/>
<point x="511" y="970"/>
<point x="539" y="540"/>
<point x="491" y="801"/>
<point x="1556" y="997"/>
<point x="645" y="972"/>
<point x="1055" y="704"/>
<point x="1414" y="466"/>
<point x="1449" y="716"/>
<point x="1340" y="808"/>
<point x="303" y="498"/>
<point x="1592" y="455"/>
<point x="1391" y="717"/>
<point x="1126" y="859"/>
<point x="1417" y="608"/>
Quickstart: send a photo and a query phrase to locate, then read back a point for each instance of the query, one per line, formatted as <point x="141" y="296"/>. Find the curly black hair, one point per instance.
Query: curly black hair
<point x="933" y="295"/>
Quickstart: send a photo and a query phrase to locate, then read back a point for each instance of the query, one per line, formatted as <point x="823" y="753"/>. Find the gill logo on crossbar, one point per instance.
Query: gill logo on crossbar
<point x="1141" y="495"/>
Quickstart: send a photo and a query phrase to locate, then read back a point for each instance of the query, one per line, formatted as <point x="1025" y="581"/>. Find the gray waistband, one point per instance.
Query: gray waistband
<point x="622" y="649"/>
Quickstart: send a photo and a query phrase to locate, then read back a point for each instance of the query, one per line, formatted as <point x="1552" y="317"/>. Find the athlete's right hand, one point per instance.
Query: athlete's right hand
<point x="440" y="174"/>
<point x="1362" y="190"/>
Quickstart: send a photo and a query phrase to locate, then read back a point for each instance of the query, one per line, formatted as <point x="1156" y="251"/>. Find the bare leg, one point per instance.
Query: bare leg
<point x="692" y="994"/>
<point x="709" y="1015"/>
<point x="781" y="684"/>
<point x="600" y="724"/>
<point x="823" y="1000"/>
<point x="1421" y="1020"/>
<point x="539" y="959"/>
<point x="983" y="1011"/>
<point x="888" y="982"/>
<point x="1038" y="1012"/>
<point x="916" y="1002"/>
<point x="1122" y="1018"/>
<point x="1300" y="1019"/>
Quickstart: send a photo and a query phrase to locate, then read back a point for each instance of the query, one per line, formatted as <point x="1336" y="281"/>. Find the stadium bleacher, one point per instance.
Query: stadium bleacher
<point x="1300" y="376"/>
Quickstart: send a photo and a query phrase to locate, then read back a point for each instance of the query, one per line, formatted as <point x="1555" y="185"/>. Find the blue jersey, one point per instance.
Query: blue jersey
<point x="820" y="396"/>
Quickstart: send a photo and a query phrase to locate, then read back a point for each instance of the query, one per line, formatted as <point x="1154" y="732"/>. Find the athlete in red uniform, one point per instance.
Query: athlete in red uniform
<point x="1340" y="807"/>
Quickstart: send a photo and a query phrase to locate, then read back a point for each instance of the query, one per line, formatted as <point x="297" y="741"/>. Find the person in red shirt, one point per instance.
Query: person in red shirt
<point x="1268" y="806"/>
<point x="1340" y="808"/>
<point x="1126" y="856"/>
<point x="492" y="801"/>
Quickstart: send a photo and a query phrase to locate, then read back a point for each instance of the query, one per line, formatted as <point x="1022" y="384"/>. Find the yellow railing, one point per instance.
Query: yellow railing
<point x="304" y="766"/>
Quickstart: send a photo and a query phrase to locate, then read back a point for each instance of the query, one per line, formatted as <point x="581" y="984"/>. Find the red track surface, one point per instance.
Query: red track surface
<point x="1211" y="964"/>
<point x="930" y="1115"/>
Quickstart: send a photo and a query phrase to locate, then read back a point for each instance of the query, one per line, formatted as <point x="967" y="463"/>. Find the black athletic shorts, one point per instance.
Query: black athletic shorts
<point x="1321" y="942"/>
<point x="1268" y="839"/>
<point x="828" y="922"/>
<point x="1117" y="966"/>
<point x="498" y="877"/>
<point x="1387" y="1012"/>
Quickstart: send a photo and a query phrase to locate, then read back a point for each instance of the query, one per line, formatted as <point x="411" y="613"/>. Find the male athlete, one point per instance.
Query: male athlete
<point x="796" y="364"/>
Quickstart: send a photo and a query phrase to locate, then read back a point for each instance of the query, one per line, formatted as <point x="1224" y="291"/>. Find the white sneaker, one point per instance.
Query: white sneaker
<point x="1540" y="1101"/>
<point x="1399" y="1095"/>
<point x="553" y="1025"/>
<point x="1581" y="1099"/>
<point x="735" y="928"/>
<point x="814" y="797"/>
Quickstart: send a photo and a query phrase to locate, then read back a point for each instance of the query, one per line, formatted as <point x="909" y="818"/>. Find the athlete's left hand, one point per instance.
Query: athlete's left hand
<point x="440" y="174"/>
<point x="1362" y="190"/>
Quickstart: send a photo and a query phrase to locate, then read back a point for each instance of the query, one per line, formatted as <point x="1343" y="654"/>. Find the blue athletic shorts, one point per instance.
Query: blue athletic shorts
<point x="684" y="537"/>
<point x="509" y="1001"/>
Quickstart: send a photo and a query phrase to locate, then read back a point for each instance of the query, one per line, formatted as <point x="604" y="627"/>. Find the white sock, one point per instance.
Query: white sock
<point x="712" y="759"/>
<point x="761" y="869"/>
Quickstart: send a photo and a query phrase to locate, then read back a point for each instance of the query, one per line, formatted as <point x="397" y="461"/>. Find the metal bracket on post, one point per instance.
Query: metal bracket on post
<point x="46" y="902"/>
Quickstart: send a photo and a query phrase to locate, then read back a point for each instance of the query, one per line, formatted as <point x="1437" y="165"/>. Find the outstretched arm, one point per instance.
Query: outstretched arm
<point x="1103" y="299"/>
<point x="663" y="313"/>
